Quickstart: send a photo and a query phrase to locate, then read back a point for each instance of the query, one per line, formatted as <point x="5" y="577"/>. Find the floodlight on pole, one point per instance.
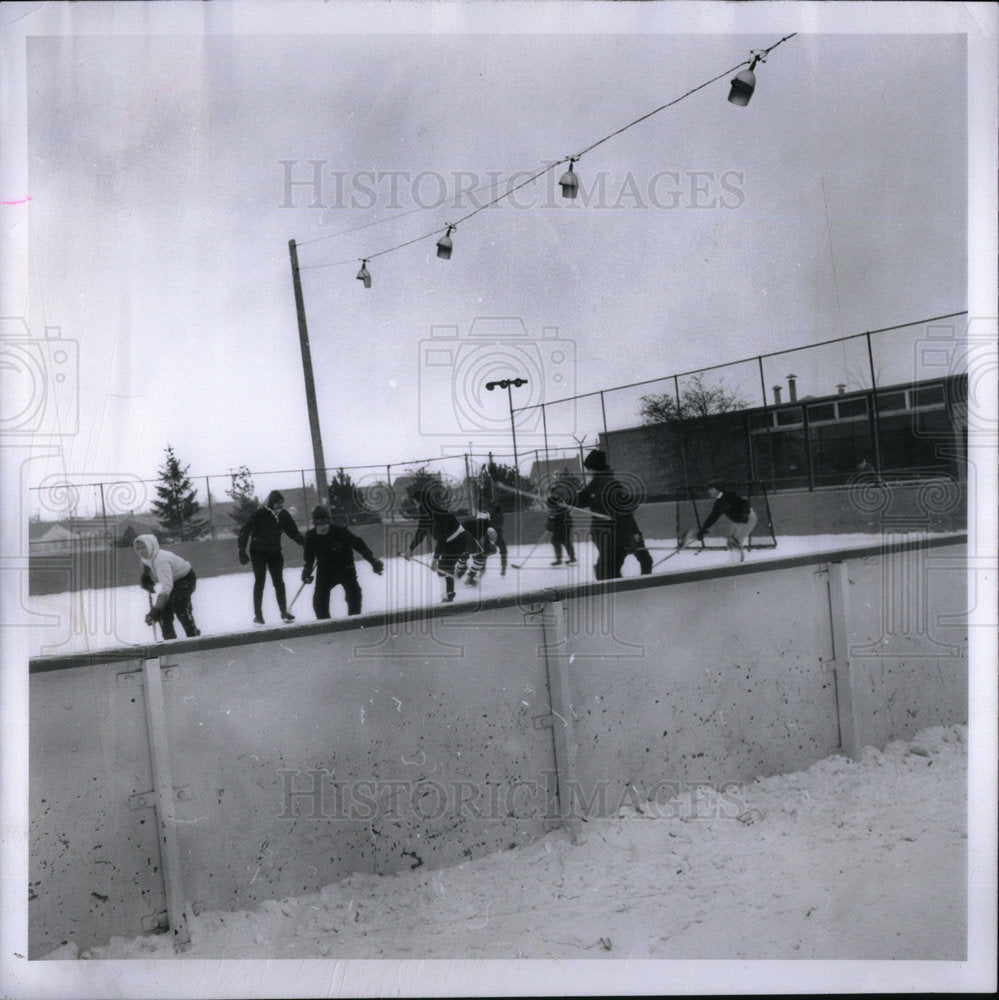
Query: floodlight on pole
<point x="506" y="383"/>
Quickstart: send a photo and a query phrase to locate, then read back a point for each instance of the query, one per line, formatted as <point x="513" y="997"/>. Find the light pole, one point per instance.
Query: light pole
<point x="322" y="487"/>
<point x="506" y="383"/>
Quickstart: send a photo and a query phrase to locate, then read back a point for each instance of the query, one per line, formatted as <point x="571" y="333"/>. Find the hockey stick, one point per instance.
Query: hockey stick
<point x="530" y="552"/>
<point x="295" y="598"/>
<point x="567" y="506"/>
<point x="681" y="545"/>
<point x="152" y="624"/>
<point x="414" y="559"/>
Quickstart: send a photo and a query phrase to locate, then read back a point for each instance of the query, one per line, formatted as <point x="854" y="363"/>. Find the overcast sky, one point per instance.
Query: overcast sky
<point x="172" y="153"/>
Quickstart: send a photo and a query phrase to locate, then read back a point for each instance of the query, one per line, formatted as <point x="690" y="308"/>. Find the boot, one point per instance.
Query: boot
<point x="258" y="619"/>
<point x="287" y="616"/>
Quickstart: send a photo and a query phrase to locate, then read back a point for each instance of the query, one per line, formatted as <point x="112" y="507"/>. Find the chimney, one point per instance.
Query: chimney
<point x="841" y="387"/>
<point x="776" y="395"/>
<point x="792" y="388"/>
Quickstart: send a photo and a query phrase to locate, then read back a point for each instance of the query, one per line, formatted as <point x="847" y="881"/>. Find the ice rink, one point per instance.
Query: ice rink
<point x="99" y="619"/>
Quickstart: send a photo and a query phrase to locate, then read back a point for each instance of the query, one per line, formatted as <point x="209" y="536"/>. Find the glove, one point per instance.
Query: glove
<point x="153" y="616"/>
<point x="306" y="577"/>
<point x="146" y="582"/>
<point x="243" y="559"/>
<point x="408" y="556"/>
<point x="378" y="566"/>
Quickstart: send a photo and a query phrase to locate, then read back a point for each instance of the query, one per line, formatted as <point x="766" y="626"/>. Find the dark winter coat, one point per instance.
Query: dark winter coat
<point x="736" y="508"/>
<point x="478" y="528"/>
<point x="606" y="494"/>
<point x="263" y="530"/>
<point x="332" y="553"/>
<point x="446" y="531"/>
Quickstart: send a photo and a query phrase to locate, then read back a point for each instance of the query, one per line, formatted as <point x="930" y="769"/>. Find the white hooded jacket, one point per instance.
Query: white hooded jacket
<point x="164" y="567"/>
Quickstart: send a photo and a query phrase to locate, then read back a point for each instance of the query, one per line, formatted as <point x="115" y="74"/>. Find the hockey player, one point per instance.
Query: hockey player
<point x="561" y="497"/>
<point x="330" y="549"/>
<point x="495" y="511"/>
<point x="263" y="530"/>
<point x="172" y="580"/>
<point x="616" y="534"/>
<point x="479" y="528"/>
<point x="737" y="509"/>
<point x="452" y="541"/>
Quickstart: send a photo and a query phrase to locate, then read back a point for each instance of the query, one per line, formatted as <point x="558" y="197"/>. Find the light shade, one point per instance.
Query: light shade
<point x="743" y="85"/>
<point x="444" y="245"/>
<point x="569" y="182"/>
<point x="364" y="275"/>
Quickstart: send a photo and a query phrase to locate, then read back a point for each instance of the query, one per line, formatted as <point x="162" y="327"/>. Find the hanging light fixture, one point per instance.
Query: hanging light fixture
<point x="569" y="181"/>
<point x="364" y="275"/>
<point x="744" y="83"/>
<point x="444" y="244"/>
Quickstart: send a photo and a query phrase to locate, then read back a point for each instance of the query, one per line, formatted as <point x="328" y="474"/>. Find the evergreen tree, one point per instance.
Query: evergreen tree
<point x="242" y="494"/>
<point x="347" y="503"/>
<point x="492" y="492"/>
<point x="177" y="507"/>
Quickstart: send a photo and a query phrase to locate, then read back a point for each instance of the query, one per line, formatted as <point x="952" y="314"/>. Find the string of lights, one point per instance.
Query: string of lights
<point x="742" y="86"/>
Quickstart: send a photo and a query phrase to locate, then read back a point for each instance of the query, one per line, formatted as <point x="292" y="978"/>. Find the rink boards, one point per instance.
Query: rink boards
<point x="297" y="756"/>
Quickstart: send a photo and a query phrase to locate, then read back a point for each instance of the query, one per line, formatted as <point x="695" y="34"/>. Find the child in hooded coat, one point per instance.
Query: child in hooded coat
<point x="172" y="580"/>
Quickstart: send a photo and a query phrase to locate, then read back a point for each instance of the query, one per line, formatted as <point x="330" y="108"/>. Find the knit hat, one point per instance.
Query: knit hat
<point x="274" y="497"/>
<point x="596" y="461"/>
<point x="321" y="514"/>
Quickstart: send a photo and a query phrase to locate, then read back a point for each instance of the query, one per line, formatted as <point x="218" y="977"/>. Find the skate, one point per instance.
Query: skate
<point x="558" y="562"/>
<point x="287" y="616"/>
<point x="258" y="620"/>
<point x="447" y="598"/>
<point x="470" y="580"/>
<point x="571" y="561"/>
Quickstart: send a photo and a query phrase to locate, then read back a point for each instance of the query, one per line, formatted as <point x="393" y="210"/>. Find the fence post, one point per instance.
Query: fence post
<point x="874" y="409"/>
<point x="211" y="512"/>
<point x="837" y="583"/>
<point x="557" y="664"/>
<point x="159" y="752"/>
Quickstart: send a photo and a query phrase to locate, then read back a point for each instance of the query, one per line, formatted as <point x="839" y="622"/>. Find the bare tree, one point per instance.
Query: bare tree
<point x="696" y="400"/>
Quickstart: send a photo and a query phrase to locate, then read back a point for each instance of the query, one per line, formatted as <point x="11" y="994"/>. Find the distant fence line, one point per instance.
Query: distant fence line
<point x="676" y="432"/>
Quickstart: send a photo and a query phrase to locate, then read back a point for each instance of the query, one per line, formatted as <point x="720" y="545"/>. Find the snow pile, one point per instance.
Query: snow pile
<point x="847" y="860"/>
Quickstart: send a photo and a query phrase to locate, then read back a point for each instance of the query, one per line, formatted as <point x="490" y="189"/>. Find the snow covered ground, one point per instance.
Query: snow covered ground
<point x="847" y="860"/>
<point x="99" y="619"/>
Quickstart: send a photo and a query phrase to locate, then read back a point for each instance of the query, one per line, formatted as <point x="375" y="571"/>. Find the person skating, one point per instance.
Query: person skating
<point x="559" y="522"/>
<point x="451" y="539"/>
<point x="738" y="511"/>
<point x="263" y="530"/>
<point x="495" y="511"/>
<point x="484" y="533"/>
<point x="616" y="534"/>
<point x="171" y="580"/>
<point x="330" y="550"/>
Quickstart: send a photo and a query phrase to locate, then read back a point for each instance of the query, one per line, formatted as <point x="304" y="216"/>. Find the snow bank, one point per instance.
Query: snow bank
<point x="847" y="860"/>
